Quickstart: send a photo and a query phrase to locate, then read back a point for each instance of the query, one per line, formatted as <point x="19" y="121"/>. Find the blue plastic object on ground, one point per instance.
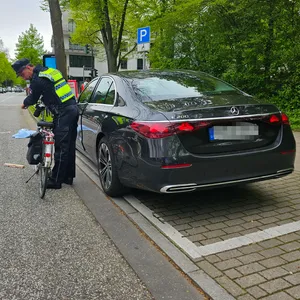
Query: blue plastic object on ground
<point x="23" y="133"/>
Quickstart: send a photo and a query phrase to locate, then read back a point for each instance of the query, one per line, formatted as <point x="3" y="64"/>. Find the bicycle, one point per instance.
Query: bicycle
<point x="44" y="161"/>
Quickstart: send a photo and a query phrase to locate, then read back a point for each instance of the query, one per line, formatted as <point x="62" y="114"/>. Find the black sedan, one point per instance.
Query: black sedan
<point x="178" y="131"/>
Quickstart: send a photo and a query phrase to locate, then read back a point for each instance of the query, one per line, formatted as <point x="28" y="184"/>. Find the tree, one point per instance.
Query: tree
<point x="101" y="23"/>
<point x="58" y="37"/>
<point x="30" y="45"/>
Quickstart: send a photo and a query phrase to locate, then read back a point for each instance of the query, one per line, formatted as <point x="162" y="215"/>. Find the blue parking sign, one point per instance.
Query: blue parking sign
<point x="143" y="35"/>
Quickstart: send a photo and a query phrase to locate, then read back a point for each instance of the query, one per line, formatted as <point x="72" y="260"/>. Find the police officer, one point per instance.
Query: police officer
<point x="60" y="100"/>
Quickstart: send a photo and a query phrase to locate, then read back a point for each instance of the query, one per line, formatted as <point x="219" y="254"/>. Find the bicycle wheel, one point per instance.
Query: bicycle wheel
<point x="44" y="175"/>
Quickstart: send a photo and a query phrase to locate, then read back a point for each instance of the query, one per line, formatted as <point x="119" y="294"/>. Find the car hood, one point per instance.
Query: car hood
<point x="211" y="106"/>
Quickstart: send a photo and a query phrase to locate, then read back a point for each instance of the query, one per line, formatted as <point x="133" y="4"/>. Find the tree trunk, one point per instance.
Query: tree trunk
<point x="58" y="37"/>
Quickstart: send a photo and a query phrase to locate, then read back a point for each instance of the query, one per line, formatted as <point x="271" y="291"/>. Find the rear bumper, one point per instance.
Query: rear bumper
<point x="181" y="188"/>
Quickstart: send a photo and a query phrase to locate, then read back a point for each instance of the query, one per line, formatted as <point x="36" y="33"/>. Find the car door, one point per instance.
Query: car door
<point x="83" y="101"/>
<point x="97" y="110"/>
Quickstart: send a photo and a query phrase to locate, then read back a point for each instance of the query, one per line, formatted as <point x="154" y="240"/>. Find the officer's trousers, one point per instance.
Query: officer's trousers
<point x="65" y="133"/>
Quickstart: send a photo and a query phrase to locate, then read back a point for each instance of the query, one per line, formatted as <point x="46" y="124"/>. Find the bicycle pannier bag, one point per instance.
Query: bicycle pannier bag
<point x="35" y="148"/>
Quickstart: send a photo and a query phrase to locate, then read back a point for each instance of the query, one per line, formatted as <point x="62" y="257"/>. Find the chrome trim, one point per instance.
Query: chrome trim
<point x="211" y="119"/>
<point x="189" y="187"/>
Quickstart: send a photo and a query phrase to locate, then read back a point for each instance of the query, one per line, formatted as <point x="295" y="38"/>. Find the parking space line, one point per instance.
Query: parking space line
<point x="196" y="252"/>
<point x="2" y="100"/>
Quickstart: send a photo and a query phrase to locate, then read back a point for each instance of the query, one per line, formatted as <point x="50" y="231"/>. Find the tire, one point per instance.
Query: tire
<point x="107" y="170"/>
<point x="44" y="175"/>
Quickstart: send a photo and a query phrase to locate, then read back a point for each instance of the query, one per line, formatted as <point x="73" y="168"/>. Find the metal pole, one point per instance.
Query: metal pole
<point x="144" y="61"/>
<point x="83" y="73"/>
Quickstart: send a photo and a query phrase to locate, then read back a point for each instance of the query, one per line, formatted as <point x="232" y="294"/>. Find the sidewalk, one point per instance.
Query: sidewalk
<point x="52" y="248"/>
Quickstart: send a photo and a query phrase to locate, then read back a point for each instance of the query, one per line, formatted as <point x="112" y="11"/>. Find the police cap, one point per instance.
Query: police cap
<point x="20" y="65"/>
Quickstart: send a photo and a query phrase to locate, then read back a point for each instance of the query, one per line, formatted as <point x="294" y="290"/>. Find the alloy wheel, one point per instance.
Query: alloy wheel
<point x="105" y="168"/>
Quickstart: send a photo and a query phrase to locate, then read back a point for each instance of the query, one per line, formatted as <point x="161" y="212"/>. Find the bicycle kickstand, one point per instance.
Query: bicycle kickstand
<point x="36" y="171"/>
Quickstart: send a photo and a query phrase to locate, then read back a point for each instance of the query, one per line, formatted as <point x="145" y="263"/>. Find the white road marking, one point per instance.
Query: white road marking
<point x="196" y="252"/>
<point x="2" y="100"/>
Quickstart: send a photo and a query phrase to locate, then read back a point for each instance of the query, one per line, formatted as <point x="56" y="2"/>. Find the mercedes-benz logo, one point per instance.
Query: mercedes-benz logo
<point x="234" y="111"/>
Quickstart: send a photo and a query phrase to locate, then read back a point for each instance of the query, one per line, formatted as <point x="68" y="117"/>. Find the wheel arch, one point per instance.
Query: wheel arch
<point x="99" y="137"/>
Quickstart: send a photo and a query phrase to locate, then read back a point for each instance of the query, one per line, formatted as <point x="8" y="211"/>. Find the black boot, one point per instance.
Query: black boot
<point x="52" y="184"/>
<point x="68" y="180"/>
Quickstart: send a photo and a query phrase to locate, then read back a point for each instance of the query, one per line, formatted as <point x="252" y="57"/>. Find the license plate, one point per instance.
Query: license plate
<point x="239" y="131"/>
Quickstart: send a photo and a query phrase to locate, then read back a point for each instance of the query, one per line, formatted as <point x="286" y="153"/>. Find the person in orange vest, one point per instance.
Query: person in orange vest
<point x="84" y="84"/>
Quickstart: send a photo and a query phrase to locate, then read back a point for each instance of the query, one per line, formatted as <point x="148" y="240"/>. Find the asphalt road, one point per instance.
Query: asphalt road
<point x="51" y="248"/>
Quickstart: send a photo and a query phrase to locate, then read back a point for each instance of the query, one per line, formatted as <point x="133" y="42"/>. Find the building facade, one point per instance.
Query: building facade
<point x="80" y="63"/>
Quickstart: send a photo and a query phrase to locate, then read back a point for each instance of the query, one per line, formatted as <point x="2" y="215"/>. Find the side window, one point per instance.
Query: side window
<point x="86" y="94"/>
<point x="105" y="92"/>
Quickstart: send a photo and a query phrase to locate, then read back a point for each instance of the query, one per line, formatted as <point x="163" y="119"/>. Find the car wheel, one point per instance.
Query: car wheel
<point x="107" y="171"/>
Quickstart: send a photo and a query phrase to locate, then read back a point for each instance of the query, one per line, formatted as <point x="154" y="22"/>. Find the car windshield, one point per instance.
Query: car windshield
<point x="178" y="85"/>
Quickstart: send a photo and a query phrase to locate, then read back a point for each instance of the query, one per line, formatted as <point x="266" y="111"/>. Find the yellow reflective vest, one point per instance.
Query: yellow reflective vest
<point x="62" y="89"/>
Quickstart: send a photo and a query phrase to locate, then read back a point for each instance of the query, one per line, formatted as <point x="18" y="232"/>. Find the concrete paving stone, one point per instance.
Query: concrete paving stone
<point x="293" y="279"/>
<point x="229" y="254"/>
<point x="182" y="227"/>
<point x="285" y="216"/>
<point x="269" y="214"/>
<point x="297" y="206"/>
<point x="171" y="212"/>
<point x="213" y="258"/>
<point x="228" y="264"/>
<point x="196" y="230"/>
<point x="284" y="222"/>
<point x="234" y="222"/>
<point x="209" y="269"/>
<point x="292" y="267"/>
<point x="201" y="223"/>
<point x="248" y="231"/>
<point x="251" y="248"/>
<point x="171" y="218"/>
<point x="270" y="243"/>
<point x="250" y="280"/>
<point x="230" y="286"/>
<point x="268" y="207"/>
<point x="211" y="241"/>
<point x="256" y="292"/>
<point x="252" y="212"/>
<point x="250" y="268"/>
<point x="236" y="216"/>
<point x="216" y="226"/>
<point x="285" y="210"/>
<point x="250" y="258"/>
<point x="252" y="224"/>
<point x="231" y="235"/>
<point x="233" y="274"/>
<point x="273" y="273"/>
<point x="271" y="252"/>
<point x="272" y="262"/>
<point x="197" y="238"/>
<point x="269" y="220"/>
<point x="275" y="285"/>
<point x="290" y="237"/>
<point x="214" y="234"/>
<point x="233" y="229"/>
<point x="278" y="296"/>
<point x="292" y="256"/>
<point x="290" y="246"/>
<point x="246" y="297"/>
<point x="220" y="213"/>
<point x="218" y="219"/>
<point x="183" y="221"/>
<point x="294" y="292"/>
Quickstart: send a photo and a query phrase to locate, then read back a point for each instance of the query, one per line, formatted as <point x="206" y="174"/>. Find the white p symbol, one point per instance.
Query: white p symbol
<point x="143" y="33"/>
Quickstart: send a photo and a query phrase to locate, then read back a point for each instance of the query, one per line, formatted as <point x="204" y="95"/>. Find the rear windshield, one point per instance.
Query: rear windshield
<point x="179" y="86"/>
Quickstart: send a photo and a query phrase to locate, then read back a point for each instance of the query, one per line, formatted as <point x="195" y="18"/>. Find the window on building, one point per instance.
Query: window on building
<point x="140" y="64"/>
<point x="78" y="61"/>
<point x="71" y="25"/>
<point x="123" y="64"/>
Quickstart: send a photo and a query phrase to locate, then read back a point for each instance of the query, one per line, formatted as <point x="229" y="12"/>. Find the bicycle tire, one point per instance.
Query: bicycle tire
<point x="44" y="175"/>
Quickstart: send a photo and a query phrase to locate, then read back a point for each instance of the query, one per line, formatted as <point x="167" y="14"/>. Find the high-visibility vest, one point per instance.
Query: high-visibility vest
<point x="62" y="89"/>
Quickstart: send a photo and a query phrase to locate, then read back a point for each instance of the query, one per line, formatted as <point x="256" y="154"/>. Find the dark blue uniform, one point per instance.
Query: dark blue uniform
<point x="65" y="118"/>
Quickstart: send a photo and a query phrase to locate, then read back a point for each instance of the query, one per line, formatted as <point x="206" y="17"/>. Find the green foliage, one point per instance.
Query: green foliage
<point x="30" y="45"/>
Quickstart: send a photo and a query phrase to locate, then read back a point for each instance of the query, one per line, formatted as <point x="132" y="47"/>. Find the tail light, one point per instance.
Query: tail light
<point x="157" y="130"/>
<point x="278" y="119"/>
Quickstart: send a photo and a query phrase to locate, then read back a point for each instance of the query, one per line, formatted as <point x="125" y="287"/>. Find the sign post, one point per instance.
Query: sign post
<point x="143" y="42"/>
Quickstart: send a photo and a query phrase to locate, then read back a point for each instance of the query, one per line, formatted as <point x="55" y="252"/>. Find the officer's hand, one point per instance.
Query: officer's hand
<point x="23" y="106"/>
